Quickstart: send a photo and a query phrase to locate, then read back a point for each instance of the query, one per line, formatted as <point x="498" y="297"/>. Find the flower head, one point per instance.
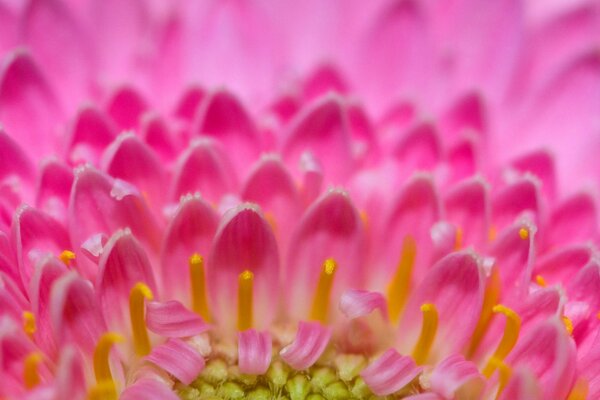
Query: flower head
<point x="299" y="200"/>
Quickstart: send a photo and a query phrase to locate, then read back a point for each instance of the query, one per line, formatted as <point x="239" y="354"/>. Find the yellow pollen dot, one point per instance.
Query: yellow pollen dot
<point x="29" y="325"/>
<point x="568" y="324"/>
<point x="504" y="374"/>
<point x="540" y="281"/>
<point x="580" y="390"/>
<point x="492" y="233"/>
<point x="458" y="239"/>
<point x="245" y="300"/>
<point x="428" y="332"/>
<point x="490" y="297"/>
<point x="198" y="287"/>
<point x="509" y="338"/>
<point x="103" y="391"/>
<point x="524" y="233"/>
<point x="31" y="376"/>
<point x="67" y="256"/>
<point x="399" y="287"/>
<point x="139" y="293"/>
<point x="102" y="354"/>
<point x="320" y="306"/>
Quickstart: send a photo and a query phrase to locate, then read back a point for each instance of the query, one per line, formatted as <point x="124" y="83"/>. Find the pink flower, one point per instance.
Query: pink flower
<point x="255" y="199"/>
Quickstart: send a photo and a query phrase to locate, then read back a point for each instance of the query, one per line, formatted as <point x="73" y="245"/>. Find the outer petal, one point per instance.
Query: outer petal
<point x="254" y="351"/>
<point x="390" y="373"/>
<point x="310" y="342"/>
<point x="148" y="389"/>
<point x="179" y="359"/>
<point x="172" y="319"/>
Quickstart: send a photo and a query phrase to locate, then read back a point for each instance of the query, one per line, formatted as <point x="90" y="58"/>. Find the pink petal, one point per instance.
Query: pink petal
<point x="254" y="351"/>
<point x="541" y="164"/>
<point x="589" y="367"/>
<point x="158" y="136"/>
<point x="585" y="285"/>
<point x="522" y="386"/>
<point x="126" y="107"/>
<point x="463" y="158"/>
<point x="244" y="241"/>
<point x="90" y="134"/>
<point x="53" y="189"/>
<point x="467" y="115"/>
<point x="172" y="319"/>
<point x="455" y="285"/>
<point x="424" y="396"/>
<point x="452" y="374"/>
<point x="70" y="378"/>
<point x="563" y="263"/>
<point x="323" y="80"/>
<point x="188" y="104"/>
<point x="310" y="342"/>
<point x="148" y="389"/>
<point x="467" y="207"/>
<point x="122" y="265"/>
<point x="365" y="146"/>
<point x="574" y="220"/>
<point x="357" y="303"/>
<point x="330" y="228"/>
<point x="390" y="373"/>
<point x="13" y="160"/>
<point x="9" y="305"/>
<point x="190" y="231"/>
<point x="322" y="129"/>
<point x="419" y="148"/>
<point x="179" y="359"/>
<point x="513" y="201"/>
<point x="206" y="169"/>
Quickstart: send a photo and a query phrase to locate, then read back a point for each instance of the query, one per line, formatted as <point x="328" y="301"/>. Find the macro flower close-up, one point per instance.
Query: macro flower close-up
<point x="299" y="200"/>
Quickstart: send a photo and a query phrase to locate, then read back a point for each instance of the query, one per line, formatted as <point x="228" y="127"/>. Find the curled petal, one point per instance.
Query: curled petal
<point x="254" y="351"/>
<point x="450" y="375"/>
<point x="172" y="319"/>
<point x="179" y="359"/>
<point x="310" y="342"/>
<point x="148" y="389"/>
<point x="390" y="373"/>
<point x="357" y="303"/>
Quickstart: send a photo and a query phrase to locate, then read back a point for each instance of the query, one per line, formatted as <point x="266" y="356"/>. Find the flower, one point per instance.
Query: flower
<point x="382" y="200"/>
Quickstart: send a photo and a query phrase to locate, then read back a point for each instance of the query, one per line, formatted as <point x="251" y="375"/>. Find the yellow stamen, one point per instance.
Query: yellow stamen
<point x="491" y="297"/>
<point x="101" y="355"/>
<point x="580" y="390"/>
<point x="524" y="233"/>
<point x="540" y="281"/>
<point x="67" y="256"/>
<point x="400" y="285"/>
<point x="198" y="284"/>
<point x="568" y="324"/>
<point x="504" y="374"/>
<point x="492" y="233"/>
<point x="270" y="217"/>
<point x="320" y="305"/>
<point x="139" y="293"/>
<point x="29" y="326"/>
<point x="31" y="376"/>
<point x="105" y="390"/>
<point x="245" y="300"/>
<point x="509" y="339"/>
<point x="428" y="332"/>
<point x="458" y="239"/>
<point x="364" y="217"/>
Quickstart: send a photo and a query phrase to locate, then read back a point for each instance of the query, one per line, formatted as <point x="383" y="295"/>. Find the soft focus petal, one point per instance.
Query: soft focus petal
<point x="179" y="359"/>
<point x="390" y="373"/>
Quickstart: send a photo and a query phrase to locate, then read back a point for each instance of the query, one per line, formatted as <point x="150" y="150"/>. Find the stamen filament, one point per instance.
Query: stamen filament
<point x="491" y="297"/>
<point x="580" y="390"/>
<point x="428" y="332"/>
<point x="31" y="376"/>
<point x="141" y="342"/>
<point x="245" y="300"/>
<point x="105" y="390"/>
<point x="568" y="324"/>
<point x="67" y="256"/>
<point x="198" y="285"/>
<point x="509" y="338"/>
<point x="320" y="305"/>
<point x="399" y="287"/>
<point x="29" y="325"/>
<point x="458" y="239"/>
<point x="101" y="356"/>
<point x="504" y="374"/>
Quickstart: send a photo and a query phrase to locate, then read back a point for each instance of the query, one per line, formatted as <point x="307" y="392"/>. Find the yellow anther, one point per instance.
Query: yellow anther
<point x="524" y="233"/>
<point x="67" y="256"/>
<point x="568" y="324"/>
<point x="364" y="217"/>
<point x="490" y="298"/>
<point x="29" y="326"/>
<point x="198" y="285"/>
<point x="458" y="239"/>
<point x="492" y="233"/>
<point x="320" y="305"/>
<point x="428" y="332"/>
<point x="540" y="281"/>
<point x="105" y="390"/>
<point x="580" y="390"/>
<point x="270" y="217"/>
<point x="509" y="338"/>
<point x="31" y="376"/>
<point x="137" y="307"/>
<point x="504" y="374"/>
<point x="245" y="300"/>
<point x="399" y="287"/>
<point x="102" y="354"/>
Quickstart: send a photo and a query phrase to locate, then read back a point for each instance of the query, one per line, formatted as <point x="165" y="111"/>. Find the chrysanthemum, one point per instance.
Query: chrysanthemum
<point x="299" y="199"/>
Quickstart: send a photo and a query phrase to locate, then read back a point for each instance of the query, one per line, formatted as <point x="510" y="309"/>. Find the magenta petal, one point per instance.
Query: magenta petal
<point x="540" y="164"/>
<point x="522" y="386"/>
<point x="244" y="241"/>
<point x="467" y="115"/>
<point x="323" y="80"/>
<point x="70" y="378"/>
<point x="310" y="342"/>
<point x="179" y="359"/>
<point x="467" y="207"/>
<point x="172" y="319"/>
<point x="90" y="134"/>
<point x="148" y="389"/>
<point x="157" y="135"/>
<point x="419" y="148"/>
<point x="254" y="351"/>
<point x="513" y="201"/>
<point x="122" y="265"/>
<point x="13" y="160"/>
<point x="390" y="373"/>
<point x="54" y="188"/>
<point x="191" y="99"/>
<point x="453" y="373"/>
<point x="573" y="221"/>
<point x="126" y="107"/>
<point x="563" y="263"/>
<point x="323" y="130"/>
<point x="357" y="303"/>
